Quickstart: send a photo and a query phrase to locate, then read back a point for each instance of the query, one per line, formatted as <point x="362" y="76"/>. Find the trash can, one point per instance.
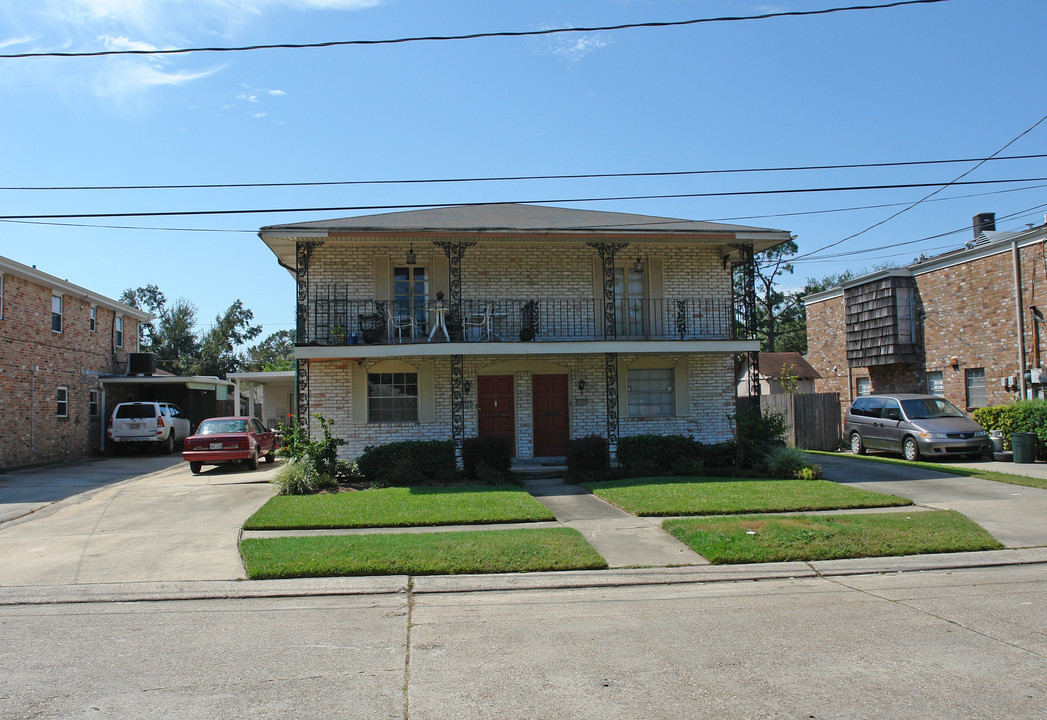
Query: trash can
<point x="1024" y="446"/>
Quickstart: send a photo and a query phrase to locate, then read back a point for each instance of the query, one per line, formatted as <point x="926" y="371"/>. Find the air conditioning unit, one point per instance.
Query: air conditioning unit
<point x="142" y="364"/>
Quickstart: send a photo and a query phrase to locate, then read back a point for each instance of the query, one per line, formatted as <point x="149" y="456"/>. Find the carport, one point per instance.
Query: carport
<point x="269" y="395"/>
<point x="199" y="396"/>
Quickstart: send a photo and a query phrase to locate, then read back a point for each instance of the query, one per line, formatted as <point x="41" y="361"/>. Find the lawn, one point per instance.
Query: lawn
<point x="951" y="469"/>
<point x="399" y="507"/>
<point x="754" y="539"/>
<point x="479" y="551"/>
<point x="724" y="496"/>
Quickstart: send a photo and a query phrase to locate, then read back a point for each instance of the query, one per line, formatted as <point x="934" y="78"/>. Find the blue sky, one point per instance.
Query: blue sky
<point x="956" y="79"/>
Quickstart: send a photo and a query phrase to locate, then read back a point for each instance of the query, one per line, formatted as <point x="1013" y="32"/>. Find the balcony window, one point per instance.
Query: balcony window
<point x="975" y="381"/>
<point x="651" y="393"/>
<point x="411" y="294"/>
<point x="628" y="299"/>
<point x="392" y="397"/>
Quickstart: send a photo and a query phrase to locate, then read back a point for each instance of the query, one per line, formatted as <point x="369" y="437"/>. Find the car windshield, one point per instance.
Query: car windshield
<point x="926" y="408"/>
<point x="213" y="427"/>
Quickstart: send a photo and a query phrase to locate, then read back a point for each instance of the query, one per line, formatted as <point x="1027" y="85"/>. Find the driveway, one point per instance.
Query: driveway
<point x="131" y="519"/>
<point x="1014" y="514"/>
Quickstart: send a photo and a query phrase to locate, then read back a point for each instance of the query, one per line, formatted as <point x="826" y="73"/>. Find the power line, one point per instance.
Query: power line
<point x="471" y="36"/>
<point x="416" y="206"/>
<point x="502" y="178"/>
<point x="932" y="194"/>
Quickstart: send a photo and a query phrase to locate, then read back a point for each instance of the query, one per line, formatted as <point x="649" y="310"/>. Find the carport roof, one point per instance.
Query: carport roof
<point x="193" y="382"/>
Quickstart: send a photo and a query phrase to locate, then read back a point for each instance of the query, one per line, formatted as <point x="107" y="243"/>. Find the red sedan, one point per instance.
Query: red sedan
<point x="229" y="439"/>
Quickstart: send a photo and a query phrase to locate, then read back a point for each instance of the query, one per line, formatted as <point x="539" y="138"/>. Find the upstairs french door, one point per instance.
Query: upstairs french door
<point x="628" y="301"/>
<point x="411" y="294"/>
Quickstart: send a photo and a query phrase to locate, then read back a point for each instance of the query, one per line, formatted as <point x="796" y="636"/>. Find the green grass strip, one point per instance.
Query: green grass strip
<point x="480" y="551"/>
<point x="399" y="507"/>
<point x="1008" y="478"/>
<point x="725" y="496"/>
<point x="755" y="539"/>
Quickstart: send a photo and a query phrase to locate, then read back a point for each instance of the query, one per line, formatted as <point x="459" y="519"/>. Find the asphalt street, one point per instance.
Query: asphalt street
<point x="940" y="644"/>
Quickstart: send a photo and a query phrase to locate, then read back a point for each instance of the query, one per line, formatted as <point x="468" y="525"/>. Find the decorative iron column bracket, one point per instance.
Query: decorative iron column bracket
<point x="748" y="264"/>
<point x="610" y="361"/>
<point x="303" y="251"/>
<point x="607" y="252"/>
<point x="454" y="252"/>
<point x="457" y="406"/>
<point x="301" y="378"/>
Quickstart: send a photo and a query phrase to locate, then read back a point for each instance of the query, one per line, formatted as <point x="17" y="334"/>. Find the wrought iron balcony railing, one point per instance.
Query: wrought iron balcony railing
<point x="336" y="319"/>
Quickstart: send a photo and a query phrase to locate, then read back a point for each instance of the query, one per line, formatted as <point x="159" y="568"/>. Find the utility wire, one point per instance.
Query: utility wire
<point x="471" y="36"/>
<point x="354" y="208"/>
<point x="502" y="178"/>
<point x="955" y="181"/>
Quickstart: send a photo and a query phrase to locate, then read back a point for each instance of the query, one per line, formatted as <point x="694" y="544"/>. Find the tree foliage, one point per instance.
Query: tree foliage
<point x="275" y="352"/>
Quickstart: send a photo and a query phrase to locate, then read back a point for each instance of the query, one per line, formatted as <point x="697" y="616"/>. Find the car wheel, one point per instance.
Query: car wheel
<point x="168" y="445"/>
<point x="252" y="462"/>
<point x="911" y="450"/>
<point x="857" y="446"/>
<point x="195" y="467"/>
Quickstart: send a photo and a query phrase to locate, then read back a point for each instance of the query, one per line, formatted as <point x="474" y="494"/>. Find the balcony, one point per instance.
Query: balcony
<point x="335" y="320"/>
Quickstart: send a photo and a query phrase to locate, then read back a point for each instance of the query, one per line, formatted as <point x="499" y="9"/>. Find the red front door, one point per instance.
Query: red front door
<point x="494" y="399"/>
<point x="551" y="428"/>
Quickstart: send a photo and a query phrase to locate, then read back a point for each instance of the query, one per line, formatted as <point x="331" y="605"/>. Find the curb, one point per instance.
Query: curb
<point x="444" y="584"/>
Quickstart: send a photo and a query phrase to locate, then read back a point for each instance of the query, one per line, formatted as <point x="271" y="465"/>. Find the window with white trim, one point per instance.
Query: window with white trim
<point x="92" y="403"/>
<point x="119" y="331"/>
<point x="936" y="383"/>
<point x="862" y="386"/>
<point x="392" y="397"/>
<point x="56" y="313"/>
<point x="62" y="401"/>
<point x="94" y="318"/>
<point x="974" y="378"/>
<point x="651" y="393"/>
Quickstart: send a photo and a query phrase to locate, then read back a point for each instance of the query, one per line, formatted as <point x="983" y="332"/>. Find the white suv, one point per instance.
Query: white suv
<point x="147" y="424"/>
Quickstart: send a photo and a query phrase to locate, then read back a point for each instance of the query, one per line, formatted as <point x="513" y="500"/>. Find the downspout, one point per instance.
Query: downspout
<point x="1019" y="320"/>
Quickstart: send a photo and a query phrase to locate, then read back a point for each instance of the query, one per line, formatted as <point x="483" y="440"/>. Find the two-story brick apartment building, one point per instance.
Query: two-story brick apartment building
<point x="56" y="340"/>
<point x="538" y="323"/>
<point x="964" y="325"/>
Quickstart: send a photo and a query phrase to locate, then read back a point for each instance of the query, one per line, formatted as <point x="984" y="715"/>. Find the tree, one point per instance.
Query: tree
<point x="174" y="342"/>
<point x="218" y="346"/>
<point x="779" y="315"/>
<point x="275" y="352"/>
<point x="152" y="300"/>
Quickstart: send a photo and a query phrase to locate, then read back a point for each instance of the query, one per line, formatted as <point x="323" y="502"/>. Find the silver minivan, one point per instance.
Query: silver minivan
<point x="913" y="425"/>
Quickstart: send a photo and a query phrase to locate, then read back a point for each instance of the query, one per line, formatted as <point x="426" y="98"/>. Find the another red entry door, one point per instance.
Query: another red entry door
<point x="494" y="400"/>
<point x="551" y="429"/>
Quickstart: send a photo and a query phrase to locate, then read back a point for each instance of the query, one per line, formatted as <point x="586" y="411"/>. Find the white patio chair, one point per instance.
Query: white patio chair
<point x="398" y="322"/>
<point x="480" y="321"/>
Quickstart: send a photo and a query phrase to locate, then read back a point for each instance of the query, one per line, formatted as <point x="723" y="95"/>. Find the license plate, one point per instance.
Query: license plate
<point x="216" y="446"/>
<point x="134" y="426"/>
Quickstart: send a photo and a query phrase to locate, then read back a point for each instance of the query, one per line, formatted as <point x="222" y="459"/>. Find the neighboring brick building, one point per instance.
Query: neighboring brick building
<point x="56" y="340"/>
<point x="964" y="324"/>
<point x="582" y="322"/>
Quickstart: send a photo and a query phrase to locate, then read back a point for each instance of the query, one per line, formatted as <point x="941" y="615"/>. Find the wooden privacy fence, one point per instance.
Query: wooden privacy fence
<point x="813" y="419"/>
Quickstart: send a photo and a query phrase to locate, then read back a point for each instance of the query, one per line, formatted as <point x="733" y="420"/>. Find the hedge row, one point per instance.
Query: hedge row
<point x="1021" y="416"/>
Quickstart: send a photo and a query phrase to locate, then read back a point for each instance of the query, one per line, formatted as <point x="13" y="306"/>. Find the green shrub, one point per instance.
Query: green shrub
<point x="1020" y="416"/>
<point x="785" y="462"/>
<point x="656" y="453"/>
<point x="409" y="462"/>
<point x="494" y="452"/>
<point x="587" y="454"/>
<point x="718" y="455"/>
<point x="810" y="472"/>
<point x="299" y="477"/>
<point x="758" y="434"/>
<point x="321" y="456"/>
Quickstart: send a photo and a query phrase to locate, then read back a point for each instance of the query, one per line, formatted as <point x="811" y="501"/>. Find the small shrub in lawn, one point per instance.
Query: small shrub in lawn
<point x="321" y="455"/>
<point x="494" y="452"/>
<point x="784" y="462"/>
<point x="587" y="454"/>
<point x="299" y="477"/>
<point x="409" y="462"/>
<point x="758" y="433"/>
<point x="810" y="472"/>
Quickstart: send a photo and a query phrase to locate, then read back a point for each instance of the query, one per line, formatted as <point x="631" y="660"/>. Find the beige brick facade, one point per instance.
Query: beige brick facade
<point x="36" y="362"/>
<point x="966" y="320"/>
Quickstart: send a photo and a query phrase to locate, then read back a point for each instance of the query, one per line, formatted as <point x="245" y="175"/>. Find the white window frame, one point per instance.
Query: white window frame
<point x="936" y="378"/>
<point x="862" y="386"/>
<point x="974" y="374"/>
<point x="392" y="380"/>
<point x="92" y="403"/>
<point x="93" y="319"/>
<point x="118" y="331"/>
<point x="62" y="401"/>
<point x="649" y="403"/>
<point x="57" y="315"/>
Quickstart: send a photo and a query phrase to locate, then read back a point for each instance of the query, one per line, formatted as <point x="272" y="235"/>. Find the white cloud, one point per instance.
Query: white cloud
<point x="247" y="98"/>
<point x="275" y="92"/>
<point x="571" y="45"/>
<point x="11" y="42"/>
<point x="124" y="43"/>
<point x="126" y="81"/>
<point x="259" y="116"/>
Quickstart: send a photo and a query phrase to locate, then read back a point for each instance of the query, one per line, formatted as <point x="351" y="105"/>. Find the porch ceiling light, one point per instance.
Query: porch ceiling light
<point x="638" y="267"/>
<point x="411" y="257"/>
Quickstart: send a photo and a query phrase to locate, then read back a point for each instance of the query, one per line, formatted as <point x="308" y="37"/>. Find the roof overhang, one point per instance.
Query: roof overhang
<point x="194" y="382"/>
<point x="361" y="352"/>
